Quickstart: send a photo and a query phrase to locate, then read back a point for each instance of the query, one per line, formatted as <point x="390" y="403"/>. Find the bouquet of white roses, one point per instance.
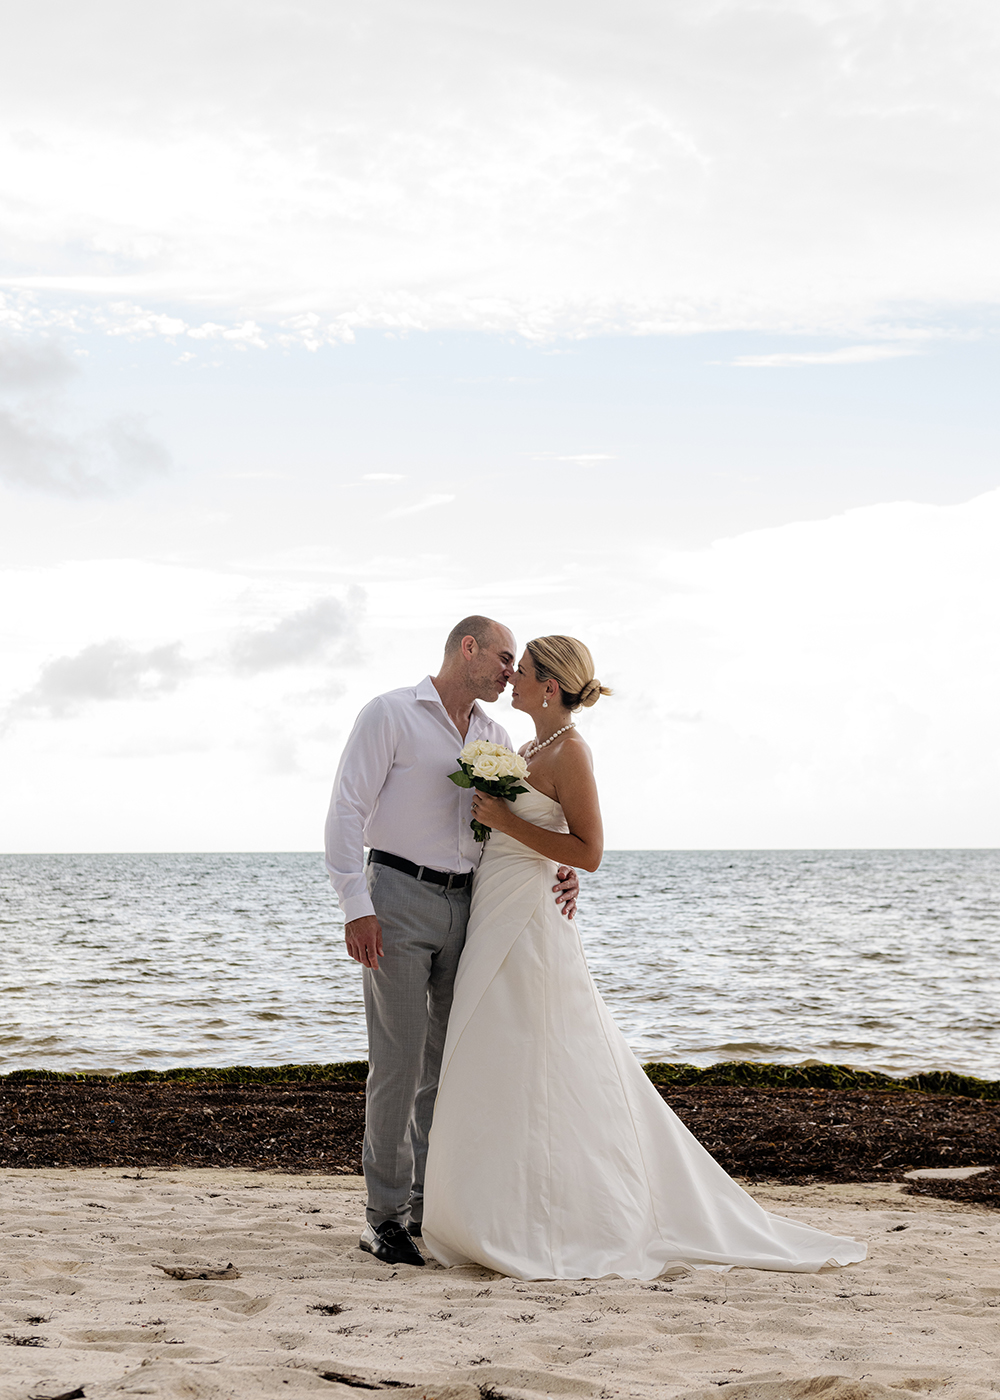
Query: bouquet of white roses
<point x="489" y="768"/>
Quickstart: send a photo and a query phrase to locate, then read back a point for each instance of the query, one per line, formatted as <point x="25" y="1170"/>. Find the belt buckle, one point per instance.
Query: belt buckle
<point x="447" y="887"/>
<point x="420" y="872"/>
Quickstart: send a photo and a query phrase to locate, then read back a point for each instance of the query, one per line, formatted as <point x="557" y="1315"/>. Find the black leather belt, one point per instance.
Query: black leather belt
<point x="422" y="872"/>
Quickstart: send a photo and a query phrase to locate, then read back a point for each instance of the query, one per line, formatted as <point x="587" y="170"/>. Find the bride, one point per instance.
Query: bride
<point x="551" y="1154"/>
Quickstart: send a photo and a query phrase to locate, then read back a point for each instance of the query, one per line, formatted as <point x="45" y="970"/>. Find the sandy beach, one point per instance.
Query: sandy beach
<point x="86" y="1311"/>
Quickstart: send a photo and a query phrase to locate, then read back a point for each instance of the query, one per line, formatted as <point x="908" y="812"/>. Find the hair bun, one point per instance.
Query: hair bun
<point x="569" y="663"/>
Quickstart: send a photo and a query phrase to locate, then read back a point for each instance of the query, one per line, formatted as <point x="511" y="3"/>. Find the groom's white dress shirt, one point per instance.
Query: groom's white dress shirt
<point x="392" y="791"/>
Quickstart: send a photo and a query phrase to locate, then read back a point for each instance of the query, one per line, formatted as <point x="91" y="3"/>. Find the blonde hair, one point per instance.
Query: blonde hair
<point x="570" y="664"/>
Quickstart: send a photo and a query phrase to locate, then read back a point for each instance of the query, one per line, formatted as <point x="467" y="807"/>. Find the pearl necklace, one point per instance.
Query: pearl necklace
<point x="532" y="749"/>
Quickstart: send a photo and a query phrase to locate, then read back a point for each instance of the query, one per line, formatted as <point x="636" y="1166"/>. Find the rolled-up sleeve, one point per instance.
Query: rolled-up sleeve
<point x="364" y="766"/>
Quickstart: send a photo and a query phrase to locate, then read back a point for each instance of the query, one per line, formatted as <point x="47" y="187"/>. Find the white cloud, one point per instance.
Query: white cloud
<point x="322" y="634"/>
<point x="138" y="322"/>
<point x="435" y="498"/>
<point x="826" y="683"/>
<point x="108" y="458"/>
<point x="111" y="670"/>
<point x="293" y="176"/>
<point x="33" y="365"/>
<point x="308" y="635"/>
<point x="845" y="676"/>
<point x="846" y="355"/>
<point x="587" y="167"/>
<point x="249" y="333"/>
<point x="580" y="459"/>
<point x="39" y="452"/>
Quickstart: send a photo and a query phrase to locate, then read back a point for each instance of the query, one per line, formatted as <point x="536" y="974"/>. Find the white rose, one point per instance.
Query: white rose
<point x="493" y="760"/>
<point x="478" y="746"/>
<point x="512" y="765"/>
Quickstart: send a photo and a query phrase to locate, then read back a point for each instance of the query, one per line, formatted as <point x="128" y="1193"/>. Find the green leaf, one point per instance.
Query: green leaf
<point x="461" y="780"/>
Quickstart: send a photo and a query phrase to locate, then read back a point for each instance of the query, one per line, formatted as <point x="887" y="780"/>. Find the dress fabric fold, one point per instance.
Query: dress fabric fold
<point x="551" y="1154"/>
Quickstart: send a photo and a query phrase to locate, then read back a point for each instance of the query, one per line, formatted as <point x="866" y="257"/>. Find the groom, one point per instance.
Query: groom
<point x="407" y="908"/>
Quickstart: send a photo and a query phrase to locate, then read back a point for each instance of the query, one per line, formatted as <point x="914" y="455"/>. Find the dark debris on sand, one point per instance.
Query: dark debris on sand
<point x="846" y="1135"/>
<point x="983" y="1189"/>
<point x="316" y="1126"/>
<point x="312" y="1128"/>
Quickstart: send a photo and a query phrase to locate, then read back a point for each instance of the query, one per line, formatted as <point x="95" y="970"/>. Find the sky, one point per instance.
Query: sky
<point x="669" y="325"/>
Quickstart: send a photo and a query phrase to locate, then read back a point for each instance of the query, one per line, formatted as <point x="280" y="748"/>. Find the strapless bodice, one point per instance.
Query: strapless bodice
<point x="531" y="806"/>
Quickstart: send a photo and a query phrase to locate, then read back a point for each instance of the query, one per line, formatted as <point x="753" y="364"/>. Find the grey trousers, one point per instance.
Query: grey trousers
<point x="407" y="1002"/>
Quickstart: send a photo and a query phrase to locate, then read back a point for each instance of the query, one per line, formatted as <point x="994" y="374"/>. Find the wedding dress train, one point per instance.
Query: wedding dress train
<point x="551" y="1154"/>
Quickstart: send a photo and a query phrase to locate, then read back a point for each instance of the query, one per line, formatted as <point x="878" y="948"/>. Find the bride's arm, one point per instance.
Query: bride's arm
<point x="576" y="793"/>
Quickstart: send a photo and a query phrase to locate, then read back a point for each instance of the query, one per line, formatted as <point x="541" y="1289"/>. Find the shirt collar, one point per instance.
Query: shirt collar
<point x="427" y="691"/>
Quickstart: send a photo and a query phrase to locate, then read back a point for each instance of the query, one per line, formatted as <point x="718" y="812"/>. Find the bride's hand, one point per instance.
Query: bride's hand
<point x="491" y="811"/>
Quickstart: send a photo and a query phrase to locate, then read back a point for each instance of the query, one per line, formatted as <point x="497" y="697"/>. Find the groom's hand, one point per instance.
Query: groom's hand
<point x="364" y="940"/>
<point x="567" y="890"/>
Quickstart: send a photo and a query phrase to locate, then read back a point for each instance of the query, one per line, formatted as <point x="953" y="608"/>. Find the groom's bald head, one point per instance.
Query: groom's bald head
<point x="483" y="630"/>
<point x="479" y="657"/>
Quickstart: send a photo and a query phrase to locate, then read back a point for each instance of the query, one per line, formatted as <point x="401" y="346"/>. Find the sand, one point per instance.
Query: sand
<point x="81" y="1293"/>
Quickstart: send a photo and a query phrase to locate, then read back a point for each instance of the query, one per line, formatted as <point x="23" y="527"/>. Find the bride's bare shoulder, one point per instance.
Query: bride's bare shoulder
<point x="574" y="752"/>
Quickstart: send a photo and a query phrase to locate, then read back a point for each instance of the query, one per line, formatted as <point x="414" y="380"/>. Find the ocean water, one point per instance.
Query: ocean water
<point x="880" y="959"/>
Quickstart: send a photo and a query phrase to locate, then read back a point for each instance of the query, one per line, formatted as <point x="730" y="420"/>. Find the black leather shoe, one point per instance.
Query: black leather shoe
<point x="415" y="1228"/>
<point x="390" y="1243"/>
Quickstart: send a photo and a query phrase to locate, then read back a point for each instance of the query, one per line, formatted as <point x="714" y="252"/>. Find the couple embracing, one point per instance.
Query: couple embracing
<point x="550" y="1155"/>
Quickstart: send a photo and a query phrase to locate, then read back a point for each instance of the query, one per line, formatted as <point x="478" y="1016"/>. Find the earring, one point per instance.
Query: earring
<point x="545" y="704"/>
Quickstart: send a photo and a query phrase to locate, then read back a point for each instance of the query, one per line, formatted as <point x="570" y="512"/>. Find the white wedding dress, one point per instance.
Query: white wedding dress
<point x="552" y="1156"/>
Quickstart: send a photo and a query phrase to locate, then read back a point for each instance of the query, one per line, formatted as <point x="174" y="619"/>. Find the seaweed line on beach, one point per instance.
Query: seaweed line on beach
<point x="736" y="1072"/>
<point x="312" y="1123"/>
